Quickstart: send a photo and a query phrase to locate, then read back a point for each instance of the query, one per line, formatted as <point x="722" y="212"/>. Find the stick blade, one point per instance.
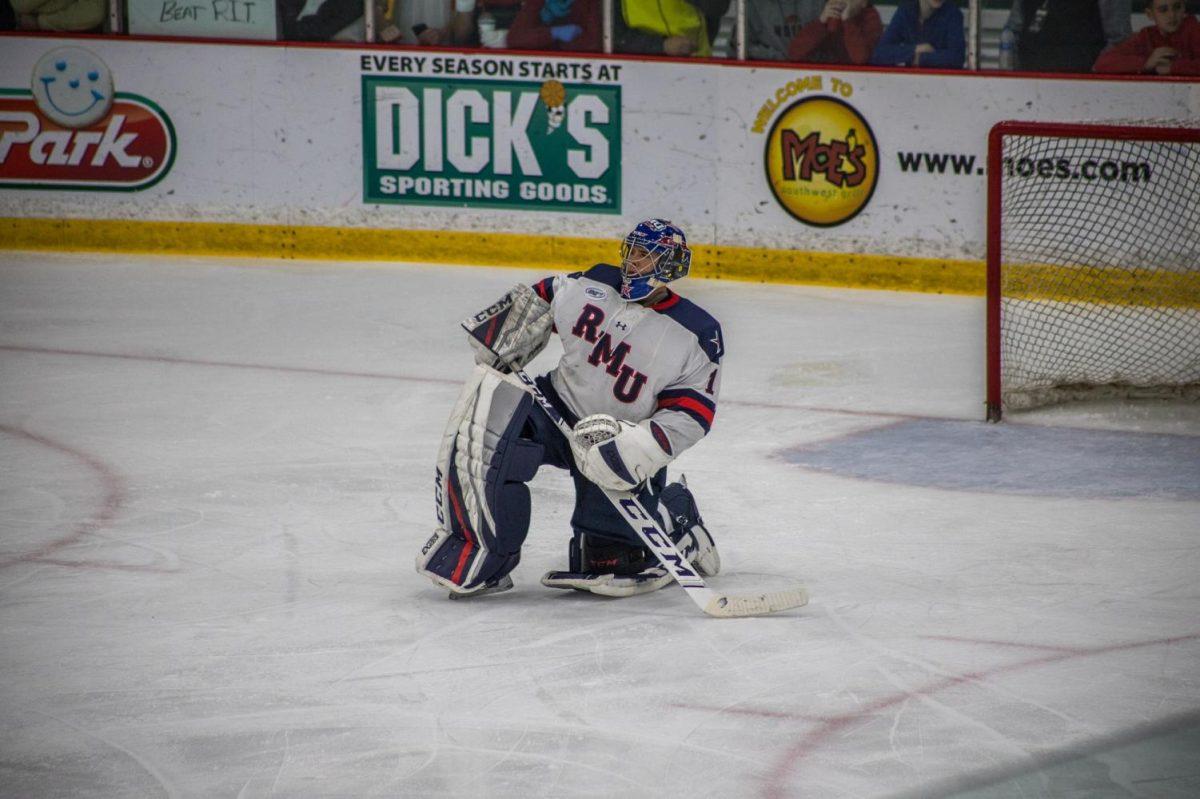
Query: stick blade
<point x="734" y="606"/>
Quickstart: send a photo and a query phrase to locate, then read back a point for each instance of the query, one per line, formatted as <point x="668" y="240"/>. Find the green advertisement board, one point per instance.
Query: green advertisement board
<point x="548" y="146"/>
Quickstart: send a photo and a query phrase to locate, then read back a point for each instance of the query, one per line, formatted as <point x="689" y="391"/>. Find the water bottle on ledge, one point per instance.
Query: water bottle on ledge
<point x="1008" y="55"/>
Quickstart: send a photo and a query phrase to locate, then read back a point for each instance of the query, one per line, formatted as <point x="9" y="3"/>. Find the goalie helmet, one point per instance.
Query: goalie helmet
<point x="652" y="255"/>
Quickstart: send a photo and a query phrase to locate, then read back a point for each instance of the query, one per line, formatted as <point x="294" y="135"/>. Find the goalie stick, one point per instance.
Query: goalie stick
<point x="714" y="603"/>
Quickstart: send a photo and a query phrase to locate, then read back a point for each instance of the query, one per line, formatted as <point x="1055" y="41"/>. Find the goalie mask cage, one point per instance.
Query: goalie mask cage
<point x="1093" y="262"/>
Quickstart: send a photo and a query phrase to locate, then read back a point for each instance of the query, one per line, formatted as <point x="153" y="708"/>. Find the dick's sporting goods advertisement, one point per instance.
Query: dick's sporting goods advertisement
<point x="492" y="144"/>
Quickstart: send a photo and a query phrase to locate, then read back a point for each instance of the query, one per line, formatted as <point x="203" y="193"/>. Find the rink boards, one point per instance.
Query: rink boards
<point x="853" y="177"/>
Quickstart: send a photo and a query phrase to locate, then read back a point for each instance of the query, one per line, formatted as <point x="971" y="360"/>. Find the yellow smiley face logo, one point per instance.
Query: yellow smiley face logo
<point x="822" y="161"/>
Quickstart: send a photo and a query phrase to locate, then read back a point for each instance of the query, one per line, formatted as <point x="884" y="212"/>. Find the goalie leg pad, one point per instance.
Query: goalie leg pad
<point x="482" y="500"/>
<point x="448" y="557"/>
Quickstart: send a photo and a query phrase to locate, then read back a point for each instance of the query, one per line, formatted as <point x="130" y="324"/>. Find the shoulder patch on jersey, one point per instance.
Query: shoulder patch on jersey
<point x="604" y="273"/>
<point x="698" y="322"/>
<point x="596" y="293"/>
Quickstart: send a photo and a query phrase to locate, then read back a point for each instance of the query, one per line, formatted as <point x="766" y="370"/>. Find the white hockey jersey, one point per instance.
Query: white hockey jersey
<point x="634" y="362"/>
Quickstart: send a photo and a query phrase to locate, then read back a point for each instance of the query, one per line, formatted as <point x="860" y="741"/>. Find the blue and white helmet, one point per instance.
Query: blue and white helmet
<point x="666" y="245"/>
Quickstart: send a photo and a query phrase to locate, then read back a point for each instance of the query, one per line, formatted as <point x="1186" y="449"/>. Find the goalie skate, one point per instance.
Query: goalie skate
<point x="503" y="584"/>
<point x="608" y="568"/>
<point x="612" y="585"/>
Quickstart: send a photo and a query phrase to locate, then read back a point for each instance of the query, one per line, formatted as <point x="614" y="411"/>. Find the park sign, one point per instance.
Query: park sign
<point x="544" y="145"/>
<point x="71" y="130"/>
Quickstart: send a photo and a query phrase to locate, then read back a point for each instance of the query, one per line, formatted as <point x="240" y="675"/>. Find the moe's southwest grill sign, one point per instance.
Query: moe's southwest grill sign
<point x="820" y="156"/>
<point x="72" y="130"/>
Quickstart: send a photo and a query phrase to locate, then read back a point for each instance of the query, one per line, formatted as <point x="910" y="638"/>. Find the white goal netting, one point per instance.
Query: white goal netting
<point x="1098" y="263"/>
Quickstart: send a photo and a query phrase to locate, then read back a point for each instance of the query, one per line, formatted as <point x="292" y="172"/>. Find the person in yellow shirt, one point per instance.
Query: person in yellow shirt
<point x="60" y="15"/>
<point x="667" y="27"/>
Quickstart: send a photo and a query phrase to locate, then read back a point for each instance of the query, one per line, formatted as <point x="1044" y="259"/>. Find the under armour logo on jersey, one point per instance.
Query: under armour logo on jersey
<point x="621" y="325"/>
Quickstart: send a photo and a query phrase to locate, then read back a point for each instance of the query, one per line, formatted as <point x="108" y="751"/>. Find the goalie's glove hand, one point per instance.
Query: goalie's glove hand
<point x="512" y="330"/>
<point x="615" y="454"/>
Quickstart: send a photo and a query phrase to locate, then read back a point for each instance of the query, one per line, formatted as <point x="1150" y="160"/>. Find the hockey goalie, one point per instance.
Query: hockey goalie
<point x="638" y="384"/>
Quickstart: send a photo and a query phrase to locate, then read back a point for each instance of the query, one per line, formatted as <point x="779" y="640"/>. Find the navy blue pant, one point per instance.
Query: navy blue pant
<point x="594" y="514"/>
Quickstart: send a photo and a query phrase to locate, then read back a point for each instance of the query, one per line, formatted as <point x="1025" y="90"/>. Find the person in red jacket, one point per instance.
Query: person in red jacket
<point x="845" y="33"/>
<point x="558" y="25"/>
<point x="1171" y="46"/>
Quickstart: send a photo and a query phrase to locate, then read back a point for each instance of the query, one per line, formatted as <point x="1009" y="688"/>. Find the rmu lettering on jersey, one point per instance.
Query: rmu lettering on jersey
<point x="629" y="381"/>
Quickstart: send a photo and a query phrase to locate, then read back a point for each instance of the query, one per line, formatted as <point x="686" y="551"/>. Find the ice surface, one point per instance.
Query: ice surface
<point x="215" y="475"/>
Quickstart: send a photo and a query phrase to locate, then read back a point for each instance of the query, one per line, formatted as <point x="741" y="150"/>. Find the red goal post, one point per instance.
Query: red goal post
<point x="1093" y="262"/>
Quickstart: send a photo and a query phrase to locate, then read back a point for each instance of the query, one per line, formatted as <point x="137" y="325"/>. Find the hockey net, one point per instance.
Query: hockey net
<point x="1093" y="262"/>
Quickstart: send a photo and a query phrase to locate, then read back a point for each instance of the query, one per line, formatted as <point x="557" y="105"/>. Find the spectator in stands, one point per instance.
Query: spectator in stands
<point x="437" y="23"/>
<point x="713" y="11"/>
<point x="60" y="15"/>
<point x="1066" y="35"/>
<point x="495" y="19"/>
<point x="1170" y="46"/>
<point x="846" y="32"/>
<point x="923" y="33"/>
<point x="432" y="23"/>
<point x="770" y="27"/>
<point x="666" y="27"/>
<point x="558" y="25"/>
<point x="304" y="21"/>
